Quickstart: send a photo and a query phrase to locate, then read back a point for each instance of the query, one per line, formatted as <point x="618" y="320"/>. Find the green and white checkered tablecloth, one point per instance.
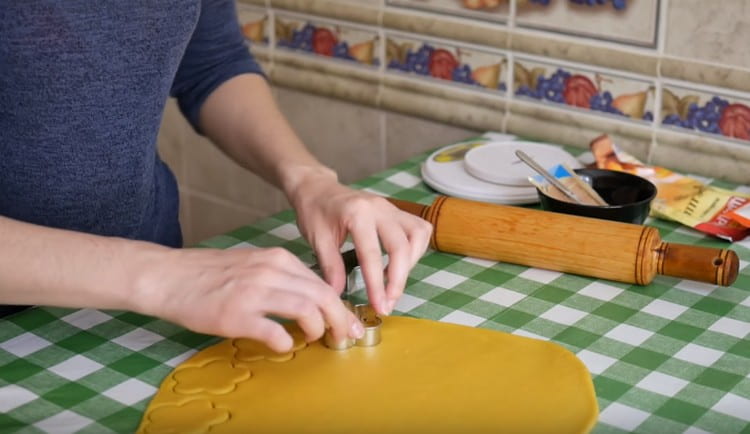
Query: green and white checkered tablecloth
<point x="673" y="356"/>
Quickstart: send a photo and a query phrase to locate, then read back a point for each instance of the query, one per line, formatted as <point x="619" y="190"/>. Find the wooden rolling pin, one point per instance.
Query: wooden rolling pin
<point x="579" y="245"/>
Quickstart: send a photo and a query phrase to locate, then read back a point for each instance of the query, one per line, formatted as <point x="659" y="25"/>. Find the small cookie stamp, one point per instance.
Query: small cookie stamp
<point x="371" y="323"/>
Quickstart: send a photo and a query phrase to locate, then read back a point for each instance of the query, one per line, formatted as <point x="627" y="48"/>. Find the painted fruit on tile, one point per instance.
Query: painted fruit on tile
<point x="255" y="31"/>
<point x="716" y="115"/>
<point x="578" y="91"/>
<point x="487" y="76"/>
<point x="324" y="41"/>
<point x="363" y="52"/>
<point x="481" y="4"/>
<point x="442" y="63"/>
<point x="632" y="104"/>
<point x="735" y="121"/>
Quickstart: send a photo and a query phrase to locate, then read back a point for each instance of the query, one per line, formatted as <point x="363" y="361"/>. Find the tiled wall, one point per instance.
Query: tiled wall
<point x="667" y="77"/>
<point x="368" y="83"/>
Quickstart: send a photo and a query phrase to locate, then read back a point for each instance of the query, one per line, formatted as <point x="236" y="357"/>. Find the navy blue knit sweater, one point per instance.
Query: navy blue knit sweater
<point x="83" y="84"/>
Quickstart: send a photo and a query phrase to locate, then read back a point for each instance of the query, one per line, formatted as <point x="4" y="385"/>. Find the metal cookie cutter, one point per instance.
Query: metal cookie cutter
<point x="344" y="344"/>
<point x="364" y="312"/>
<point x="371" y="323"/>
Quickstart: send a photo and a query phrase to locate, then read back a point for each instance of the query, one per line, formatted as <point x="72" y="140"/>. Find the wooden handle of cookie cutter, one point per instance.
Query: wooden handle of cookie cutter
<point x="571" y="244"/>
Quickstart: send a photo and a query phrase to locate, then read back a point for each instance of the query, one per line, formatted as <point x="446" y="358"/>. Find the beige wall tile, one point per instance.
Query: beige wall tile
<point x="551" y="117"/>
<point x="210" y="216"/>
<point x="209" y="171"/>
<point x="326" y="84"/>
<point x="346" y="137"/>
<point x="577" y="134"/>
<point x="301" y="64"/>
<point x="474" y="96"/>
<point x="607" y="56"/>
<point x="356" y="11"/>
<point x="706" y="73"/>
<point x="443" y="26"/>
<point x="446" y="111"/>
<point x="407" y="136"/>
<point x="714" y="31"/>
<point x="702" y="155"/>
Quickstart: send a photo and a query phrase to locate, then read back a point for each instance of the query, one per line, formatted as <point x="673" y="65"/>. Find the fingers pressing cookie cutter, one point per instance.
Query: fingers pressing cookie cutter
<point x="371" y="323"/>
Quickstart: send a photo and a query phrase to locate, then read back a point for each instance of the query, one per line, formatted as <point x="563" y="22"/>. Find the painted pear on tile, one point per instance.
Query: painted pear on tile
<point x="488" y="76"/>
<point x="632" y="104"/>
<point x="363" y="52"/>
<point x="255" y="31"/>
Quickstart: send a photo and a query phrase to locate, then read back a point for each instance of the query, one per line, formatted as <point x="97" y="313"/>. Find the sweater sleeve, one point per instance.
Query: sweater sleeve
<point x="216" y="52"/>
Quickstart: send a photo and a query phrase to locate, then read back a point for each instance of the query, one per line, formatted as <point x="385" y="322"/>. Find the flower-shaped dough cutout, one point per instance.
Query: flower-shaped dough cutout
<point x="196" y="416"/>
<point x="251" y="351"/>
<point x="216" y="377"/>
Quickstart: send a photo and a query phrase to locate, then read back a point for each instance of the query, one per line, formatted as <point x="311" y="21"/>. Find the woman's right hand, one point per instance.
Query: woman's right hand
<point x="232" y="293"/>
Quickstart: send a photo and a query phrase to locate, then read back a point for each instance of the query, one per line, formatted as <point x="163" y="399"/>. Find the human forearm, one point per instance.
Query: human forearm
<point x="40" y="265"/>
<point x="242" y="118"/>
<point x="222" y="292"/>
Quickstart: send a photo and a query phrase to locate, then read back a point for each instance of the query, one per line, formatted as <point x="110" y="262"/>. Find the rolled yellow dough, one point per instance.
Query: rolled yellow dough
<point x="425" y="376"/>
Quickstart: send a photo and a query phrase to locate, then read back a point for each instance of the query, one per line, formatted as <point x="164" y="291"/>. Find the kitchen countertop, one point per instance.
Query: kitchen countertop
<point x="673" y="356"/>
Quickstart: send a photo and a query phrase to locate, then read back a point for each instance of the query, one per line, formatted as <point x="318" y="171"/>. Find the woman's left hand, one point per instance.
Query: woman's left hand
<point x="328" y="211"/>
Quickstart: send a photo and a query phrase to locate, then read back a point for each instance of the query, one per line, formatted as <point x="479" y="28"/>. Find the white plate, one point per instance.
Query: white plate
<point x="497" y="163"/>
<point x="446" y="167"/>
<point x="494" y="194"/>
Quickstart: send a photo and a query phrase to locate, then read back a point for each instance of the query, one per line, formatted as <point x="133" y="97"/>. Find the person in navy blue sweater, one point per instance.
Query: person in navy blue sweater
<point x="89" y="212"/>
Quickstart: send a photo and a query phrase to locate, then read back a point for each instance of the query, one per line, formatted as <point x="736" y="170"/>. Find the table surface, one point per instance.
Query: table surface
<point x="673" y="356"/>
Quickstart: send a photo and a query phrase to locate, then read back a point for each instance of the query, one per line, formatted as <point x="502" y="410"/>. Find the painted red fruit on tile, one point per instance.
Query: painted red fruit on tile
<point x="578" y="91"/>
<point x="324" y="41"/>
<point x="735" y="121"/>
<point x="442" y="64"/>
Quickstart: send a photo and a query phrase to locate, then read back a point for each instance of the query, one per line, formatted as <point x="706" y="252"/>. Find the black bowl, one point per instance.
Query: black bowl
<point x="629" y="197"/>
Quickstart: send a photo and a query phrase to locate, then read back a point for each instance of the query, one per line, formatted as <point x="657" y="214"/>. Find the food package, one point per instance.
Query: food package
<point x="680" y="198"/>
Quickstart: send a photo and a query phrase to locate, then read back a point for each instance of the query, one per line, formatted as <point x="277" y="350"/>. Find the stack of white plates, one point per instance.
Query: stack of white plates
<point x="488" y="170"/>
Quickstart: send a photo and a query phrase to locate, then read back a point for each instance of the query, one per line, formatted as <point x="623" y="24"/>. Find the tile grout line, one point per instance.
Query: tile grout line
<point x="659" y="85"/>
<point x="382" y="51"/>
<point x="510" y="86"/>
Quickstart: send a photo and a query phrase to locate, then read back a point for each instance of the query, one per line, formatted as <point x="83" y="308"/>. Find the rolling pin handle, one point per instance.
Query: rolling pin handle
<point x="410" y="207"/>
<point x="704" y="264"/>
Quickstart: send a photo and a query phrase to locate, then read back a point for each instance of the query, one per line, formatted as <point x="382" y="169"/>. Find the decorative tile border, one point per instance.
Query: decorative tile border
<point x="255" y="24"/>
<point x="433" y="59"/>
<point x="328" y="39"/>
<point x="599" y="92"/>
<point x="705" y="112"/>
